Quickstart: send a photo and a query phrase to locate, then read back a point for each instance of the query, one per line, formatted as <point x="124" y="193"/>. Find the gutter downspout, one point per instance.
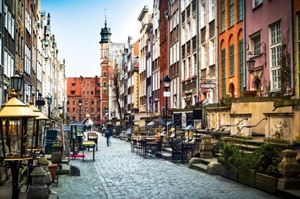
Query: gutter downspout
<point x="292" y="45"/>
<point x="197" y="50"/>
<point x="244" y="47"/>
<point x="2" y="54"/>
<point x="24" y="54"/>
<point x="217" y="53"/>
<point x="179" y="62"/>
<point x="217" y="62"/>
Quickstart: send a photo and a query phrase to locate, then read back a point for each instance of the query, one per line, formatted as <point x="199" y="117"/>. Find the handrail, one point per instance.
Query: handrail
<point x="228" y="125"/>
<point x="249" y="126"/>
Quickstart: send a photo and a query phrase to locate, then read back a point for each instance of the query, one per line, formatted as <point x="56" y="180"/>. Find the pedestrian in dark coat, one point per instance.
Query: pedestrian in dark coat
<point x="108" y="135"/>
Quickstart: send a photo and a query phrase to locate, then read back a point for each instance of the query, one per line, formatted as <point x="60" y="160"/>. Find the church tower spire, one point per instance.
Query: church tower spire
<point x="105" y="33"/>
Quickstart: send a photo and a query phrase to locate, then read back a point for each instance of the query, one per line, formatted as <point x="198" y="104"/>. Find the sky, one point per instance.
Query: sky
<point x="77" y="24"/>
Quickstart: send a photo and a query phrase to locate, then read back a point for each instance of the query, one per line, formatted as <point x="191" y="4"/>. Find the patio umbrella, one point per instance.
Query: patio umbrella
<point x="161" y="122"/>
<point x="190" y="127"/>
<point x="151" y="123"/>
<point x="170" y="124"/>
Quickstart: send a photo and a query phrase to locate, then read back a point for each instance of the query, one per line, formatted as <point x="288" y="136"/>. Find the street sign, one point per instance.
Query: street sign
<point x="207" y="85"/>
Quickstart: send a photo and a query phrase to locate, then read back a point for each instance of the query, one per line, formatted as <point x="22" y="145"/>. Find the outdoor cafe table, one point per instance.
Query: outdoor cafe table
<point x="88" y="145"/>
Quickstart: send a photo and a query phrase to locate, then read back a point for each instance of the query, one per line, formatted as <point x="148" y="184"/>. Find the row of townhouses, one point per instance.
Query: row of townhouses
<point x="29" y="49"/>
<point x="210" y="50"/>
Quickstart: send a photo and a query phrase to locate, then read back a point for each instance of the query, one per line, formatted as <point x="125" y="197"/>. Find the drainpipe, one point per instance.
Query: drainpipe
<point x="179" y="63"/>
<point x="151" y="79"/>
<point x="197" y="51"/>
<point x="24" y="55"/>
<point x="217" y="53"/>
<point x="292" y="45"/>
<point x="244" y="46"/>
<point x="2" y="54"/>
<point x="217" y="62"/>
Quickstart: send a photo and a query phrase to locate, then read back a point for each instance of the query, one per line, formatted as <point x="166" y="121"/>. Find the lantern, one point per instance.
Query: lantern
<point x="14" y="116"/>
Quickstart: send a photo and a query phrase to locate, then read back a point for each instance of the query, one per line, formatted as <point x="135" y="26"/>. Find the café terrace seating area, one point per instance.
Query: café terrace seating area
<point x="155" y="139"/>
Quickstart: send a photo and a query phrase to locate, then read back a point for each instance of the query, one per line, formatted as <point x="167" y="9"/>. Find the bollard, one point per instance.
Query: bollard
<point x="38" y="188"/>
<point x="289" y="168"/>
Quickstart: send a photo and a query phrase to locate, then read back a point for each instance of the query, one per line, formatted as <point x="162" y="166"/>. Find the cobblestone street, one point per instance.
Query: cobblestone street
<point x="119" y="173"/>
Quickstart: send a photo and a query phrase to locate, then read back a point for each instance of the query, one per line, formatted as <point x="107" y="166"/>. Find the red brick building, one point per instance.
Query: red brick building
<point x="87" y="91"/>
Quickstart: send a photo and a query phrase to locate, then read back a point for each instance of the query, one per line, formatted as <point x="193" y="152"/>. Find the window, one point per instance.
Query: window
<point x="275" y="51"/>
<point x="256" y="3"/>
<point x="203" y="56"/>
<point x="212" y="10"/>
<point x="202" y="18"/>
<point x="255" y="45"/>
<point x="223" y="65"/>
<point x="223" y="15"/>
<point x="212" y="52"/>
<point x="72" y="92"/>
<point x="231" y="13"/>
<point x="241" y="9"/>
<point x="231" y="60"/>
<point x="241" y="64"/>
<point x="184" y="70"/>
<point x="104" y="91"/>
<point x="190" y="68"/>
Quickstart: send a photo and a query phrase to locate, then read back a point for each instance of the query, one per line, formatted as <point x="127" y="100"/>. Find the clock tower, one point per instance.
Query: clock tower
<point x="104" y="72"/>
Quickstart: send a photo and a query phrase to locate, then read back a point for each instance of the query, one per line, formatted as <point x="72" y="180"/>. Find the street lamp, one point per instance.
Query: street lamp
<point x="166" y="81"/>
<point x="16" y="82"/>
<point x="14" y="116"/>
<point x="49" y="101"/>
<point x="251" y="65"/>
<point x="36" y="143"/>
<point x="80" y="104"/>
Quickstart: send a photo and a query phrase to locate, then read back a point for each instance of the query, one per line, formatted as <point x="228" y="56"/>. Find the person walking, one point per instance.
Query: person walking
<point x="108" y="135"/>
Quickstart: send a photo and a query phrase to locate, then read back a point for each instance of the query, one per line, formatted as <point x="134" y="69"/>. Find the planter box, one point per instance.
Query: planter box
<point x="227" y="173"/>
<point x="247" y="177"/>
<point x="266" y="183"/>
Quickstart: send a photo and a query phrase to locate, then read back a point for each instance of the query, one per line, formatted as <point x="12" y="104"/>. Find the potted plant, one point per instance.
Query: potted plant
<point x="228" y="160"/>
<point x="267" y="171"/>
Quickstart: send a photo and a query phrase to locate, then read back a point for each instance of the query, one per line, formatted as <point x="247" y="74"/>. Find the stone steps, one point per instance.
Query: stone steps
<point x="201" y="164"/>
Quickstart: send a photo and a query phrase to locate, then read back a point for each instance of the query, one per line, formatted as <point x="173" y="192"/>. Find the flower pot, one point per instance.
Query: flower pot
<point x="227" y="173"/>
<point x="266" y="183"/>
<point x="247" y="177"/>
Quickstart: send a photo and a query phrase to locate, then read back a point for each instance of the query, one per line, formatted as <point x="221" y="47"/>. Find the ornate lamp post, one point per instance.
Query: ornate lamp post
<point x="166" y="81"/>
<point x="49" y="101"/>
<point x="80" y="104"/>
<point x="36" y="143"/>
<point x="14" y="116"/>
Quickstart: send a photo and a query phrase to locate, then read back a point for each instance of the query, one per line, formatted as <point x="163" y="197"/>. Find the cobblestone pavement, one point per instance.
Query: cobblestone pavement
<point x="118" y="173"/>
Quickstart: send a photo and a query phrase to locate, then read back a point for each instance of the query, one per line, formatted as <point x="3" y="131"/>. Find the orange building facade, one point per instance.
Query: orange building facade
<point x="231" y="64"/>
<point x="83" y="98"/>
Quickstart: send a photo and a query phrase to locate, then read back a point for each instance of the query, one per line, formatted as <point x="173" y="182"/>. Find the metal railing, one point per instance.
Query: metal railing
<point x="227" y="125"/>
<point x="249" y="126"/>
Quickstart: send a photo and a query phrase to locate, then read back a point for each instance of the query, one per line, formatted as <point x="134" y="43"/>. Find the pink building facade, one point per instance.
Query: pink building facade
<point x="267" y="37"/>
